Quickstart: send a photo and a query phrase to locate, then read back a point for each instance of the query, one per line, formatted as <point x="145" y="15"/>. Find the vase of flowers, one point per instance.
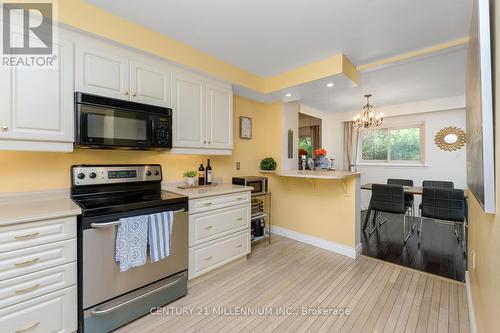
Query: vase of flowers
<point x="321" y="161"/>
<point x="190" y="174"/>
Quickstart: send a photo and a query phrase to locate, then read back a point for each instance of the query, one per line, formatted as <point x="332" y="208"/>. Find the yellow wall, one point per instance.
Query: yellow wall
<point x="484" y="229"/>
<point x="318" y="208"/>
<point x="27" y="171"/>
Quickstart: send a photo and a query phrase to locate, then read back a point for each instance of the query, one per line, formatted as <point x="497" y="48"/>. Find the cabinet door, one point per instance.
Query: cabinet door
<point x="188" y="111"/>
<point x="219" y="117"/>
<point x="150" y="84"/>
<point x="102" y="71"/>
<point x="37" y="103"/>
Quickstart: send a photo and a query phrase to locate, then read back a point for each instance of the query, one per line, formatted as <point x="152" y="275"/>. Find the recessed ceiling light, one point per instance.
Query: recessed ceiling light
<point x="288" y="95"/>
<point x="331" y="84"/>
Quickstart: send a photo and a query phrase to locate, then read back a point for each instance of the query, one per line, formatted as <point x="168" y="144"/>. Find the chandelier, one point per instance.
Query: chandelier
<point x="367" y="117"/>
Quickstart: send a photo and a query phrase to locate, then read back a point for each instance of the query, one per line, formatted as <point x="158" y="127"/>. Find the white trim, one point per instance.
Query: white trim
<point x="352" y="252"/>
<point x="201" y="151"/>
<point x="470" y="304"/>
<point x="42" y="146"/>
<point x="358" y="249"/>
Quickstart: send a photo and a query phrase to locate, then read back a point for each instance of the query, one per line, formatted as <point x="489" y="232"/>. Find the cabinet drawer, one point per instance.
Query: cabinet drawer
<point x="208" y="256"/>
<point x="219" y="201"/>
<point x="25" y="287"/>
<point x="209" y="225"/>
<point x="54" y="312"/>
<point x="24" y="261"/>
<point x="23" y="235"/>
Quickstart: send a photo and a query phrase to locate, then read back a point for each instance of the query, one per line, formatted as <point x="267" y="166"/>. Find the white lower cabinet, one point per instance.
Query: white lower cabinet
<point x="206" y="257"/>
<point x="38" y="277"/>
<point x="50" y="313"/>
<point x="218" y="234"/>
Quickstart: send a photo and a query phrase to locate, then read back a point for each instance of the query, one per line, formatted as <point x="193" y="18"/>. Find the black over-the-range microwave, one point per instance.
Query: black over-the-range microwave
<point x="103" y="122"/>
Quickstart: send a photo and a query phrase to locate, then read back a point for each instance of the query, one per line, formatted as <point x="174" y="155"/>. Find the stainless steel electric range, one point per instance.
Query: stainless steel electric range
<point x="109" y="298"/>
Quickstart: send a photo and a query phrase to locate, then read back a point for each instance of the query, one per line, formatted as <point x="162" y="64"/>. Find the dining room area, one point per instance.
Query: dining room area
<point x="429" y="236"/>
<point x="413" y="185"/>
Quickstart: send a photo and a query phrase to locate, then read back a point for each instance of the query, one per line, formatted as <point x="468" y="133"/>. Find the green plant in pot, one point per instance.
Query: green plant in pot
<point x="190" y="174"/>
<point x="268" y="163"/>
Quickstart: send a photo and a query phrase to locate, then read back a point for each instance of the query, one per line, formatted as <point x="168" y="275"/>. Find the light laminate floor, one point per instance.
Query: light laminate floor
<point x="280" y="281"/>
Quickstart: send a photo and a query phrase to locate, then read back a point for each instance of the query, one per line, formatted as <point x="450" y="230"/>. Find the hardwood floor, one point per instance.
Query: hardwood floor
<point x="290" y="277"/>
<point x="440" y="253"/>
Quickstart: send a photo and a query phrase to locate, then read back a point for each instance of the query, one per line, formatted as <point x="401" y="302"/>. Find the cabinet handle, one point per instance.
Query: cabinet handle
<point x="125" y="92"/>
<point x="24" y="237"/>
<point x="238" y="246"/>
<point x="133" y="94"/>
<point x="4" y="128"/>
<point x="208" y="227"/>
<point x="240" y="198"/>
<point x="209" y="141"/>
<point x="208" y="204"/>
<point x="25" y="290"/>
<point x="239" y="219"/>
<point x="208" y="258"/>
<point x="204" y="142"/>
<point x="28" y="328"/>
<point x="26" y="263"/>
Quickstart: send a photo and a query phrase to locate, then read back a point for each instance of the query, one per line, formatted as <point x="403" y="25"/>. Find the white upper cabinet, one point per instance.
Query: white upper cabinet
<point x="150" y="83"/>
<point x="188" y="111"/>
<point x="36" y="104"/>
<point x="219" y="117"/>
<point x="108" y="71"/>
<point x="101" y="71"/>
<point x="203" y="114"/>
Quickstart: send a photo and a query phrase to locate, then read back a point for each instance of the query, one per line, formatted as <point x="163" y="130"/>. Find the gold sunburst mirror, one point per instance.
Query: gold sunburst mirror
<point x="450" y="138"/>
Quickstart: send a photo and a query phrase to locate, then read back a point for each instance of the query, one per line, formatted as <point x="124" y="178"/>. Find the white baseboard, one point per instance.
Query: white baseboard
<point x="352" y="252"/>
<point x="472" y="316"/>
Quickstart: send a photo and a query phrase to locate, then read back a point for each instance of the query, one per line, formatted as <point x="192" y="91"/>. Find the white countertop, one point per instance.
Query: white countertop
<point x="314" y="174"/>
<point x="35" y="206"/>
<point x="201" y="192"/>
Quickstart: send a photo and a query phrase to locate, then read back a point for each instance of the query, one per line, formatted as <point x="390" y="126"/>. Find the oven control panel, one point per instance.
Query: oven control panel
<point x="114" y="174"/>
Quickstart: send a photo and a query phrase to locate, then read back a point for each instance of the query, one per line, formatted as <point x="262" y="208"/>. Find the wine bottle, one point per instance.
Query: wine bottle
<point x="201" y="174"/>
<point x="208" y="173"/>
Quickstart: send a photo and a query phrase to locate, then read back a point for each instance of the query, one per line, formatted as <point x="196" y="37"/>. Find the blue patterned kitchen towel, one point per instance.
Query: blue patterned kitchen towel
<point x="132" y="242"/>
<point x="159" y="235"/>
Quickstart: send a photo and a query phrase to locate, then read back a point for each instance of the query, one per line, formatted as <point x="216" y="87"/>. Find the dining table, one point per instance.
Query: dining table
<point x="416" y="190"/>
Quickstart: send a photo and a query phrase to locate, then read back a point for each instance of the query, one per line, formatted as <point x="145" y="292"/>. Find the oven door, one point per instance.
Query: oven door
<point x="101" y="276"/>
<point x="109" y="127"/>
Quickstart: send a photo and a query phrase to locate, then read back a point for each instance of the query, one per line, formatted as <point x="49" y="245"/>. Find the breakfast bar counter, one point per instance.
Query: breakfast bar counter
<point x="314" y="174"/>
<point x="322" y="208"/>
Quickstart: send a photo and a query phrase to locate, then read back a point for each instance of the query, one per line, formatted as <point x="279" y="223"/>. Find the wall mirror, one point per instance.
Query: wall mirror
<point x="450" y="138"/>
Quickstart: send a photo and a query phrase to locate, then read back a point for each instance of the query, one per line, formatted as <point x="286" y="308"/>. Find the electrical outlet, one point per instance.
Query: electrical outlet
<point x="473" y="259"/>
<point x="238" y="165"/>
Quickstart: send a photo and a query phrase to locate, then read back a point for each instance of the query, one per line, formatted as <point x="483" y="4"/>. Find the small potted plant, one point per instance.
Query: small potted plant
<point x="190" y="174"/>
<point x="268" y="164"/>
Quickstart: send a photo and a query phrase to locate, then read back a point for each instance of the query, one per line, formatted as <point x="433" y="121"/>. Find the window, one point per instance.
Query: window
<point x="306" y="144"/>
<point x="401" y="144"/>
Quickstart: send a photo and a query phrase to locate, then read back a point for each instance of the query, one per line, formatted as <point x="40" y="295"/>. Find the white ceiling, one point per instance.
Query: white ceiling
<point x="268" y="37"/>
<point x="433" y="76"/>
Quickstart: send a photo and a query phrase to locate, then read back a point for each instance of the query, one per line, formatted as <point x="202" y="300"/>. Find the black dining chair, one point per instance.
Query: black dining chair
<point x="389" y="199"/>
<point x="409" y="198"/>
<point x="437" y="184"/>
<point x="444" y="205"/>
